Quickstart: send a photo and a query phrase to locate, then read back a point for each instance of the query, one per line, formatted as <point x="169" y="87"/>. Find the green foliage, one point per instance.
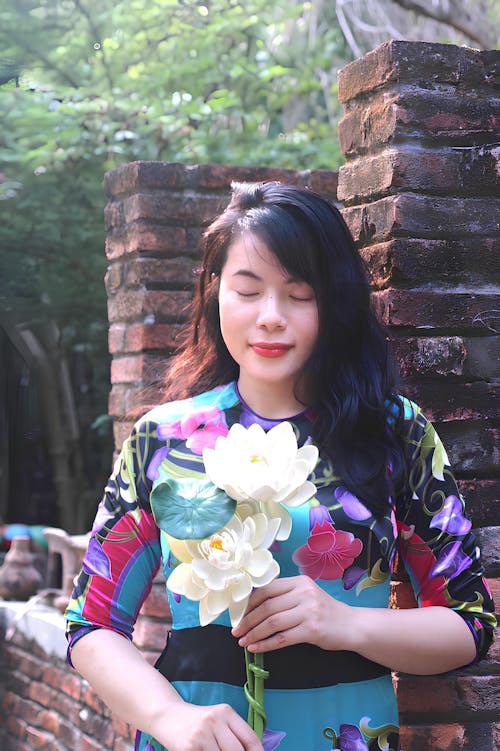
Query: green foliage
<point x="86" y="86"/>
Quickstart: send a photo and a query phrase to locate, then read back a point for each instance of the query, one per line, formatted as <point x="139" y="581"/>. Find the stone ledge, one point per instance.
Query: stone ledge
<point x="39" y="623"/>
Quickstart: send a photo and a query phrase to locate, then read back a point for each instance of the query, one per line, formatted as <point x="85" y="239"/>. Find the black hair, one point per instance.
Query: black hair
<point x="349" y="378"/>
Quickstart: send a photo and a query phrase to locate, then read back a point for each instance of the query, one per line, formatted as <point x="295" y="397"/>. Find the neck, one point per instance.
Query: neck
<point x="273" y="402"/>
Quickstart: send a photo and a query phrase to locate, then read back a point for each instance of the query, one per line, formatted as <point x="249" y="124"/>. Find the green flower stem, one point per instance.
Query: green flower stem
<point x="254" y="691"/>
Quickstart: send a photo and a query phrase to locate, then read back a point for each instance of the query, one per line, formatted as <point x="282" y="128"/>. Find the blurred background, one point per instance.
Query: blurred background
<point x="88" y="85"/>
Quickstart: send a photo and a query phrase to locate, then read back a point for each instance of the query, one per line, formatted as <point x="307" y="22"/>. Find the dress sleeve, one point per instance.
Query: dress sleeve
<point x="124" y="551"/>
<point x="436" y="543"/>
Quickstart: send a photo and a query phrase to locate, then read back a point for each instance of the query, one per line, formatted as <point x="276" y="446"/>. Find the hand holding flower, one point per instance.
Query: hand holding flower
<point x="294" y="610"/>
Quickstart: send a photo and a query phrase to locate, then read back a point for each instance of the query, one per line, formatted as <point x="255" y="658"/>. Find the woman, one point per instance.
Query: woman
<point x="282" y="329"/>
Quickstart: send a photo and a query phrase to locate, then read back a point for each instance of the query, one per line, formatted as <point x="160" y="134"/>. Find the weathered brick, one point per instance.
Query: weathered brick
<point x="72" y="686"/>
<point x="455" y="313"/>
<point x="150" y="634"/>
<point x="165" y="208"/>
<point x="90" y="744"/>
<point x="471" y="172"/>
<point x="113" y="215"/>
<point x="69" y="735"/>
<point x="396" y="62"/>
<point x="37" y="739"/>
<point x="138" y="369"/>
<point x="121" y="431"/>
<point x="219" y="176"/>
<point x="49" y="720"/>
<point x="146" y="174"/>
<point x="156" y="604"/>
<point x="41" y="694"/>
<point x="479" y="693"/>
<point x="425" y="696"/>
<point x="177" y="272"/>
<point x="442" y="356"/>
<point x="16" y="726"/>
<point x="483" y="500"/>
<point x="160" y="336"/>
<point x="160" y="306"/>
<point x="116" y="337"/>
<point x="473" y="447"/>
<point x="157" y="239"/>
<point x="489" y="543"/>
<point x="113" y="278"/>
<point x="433" y="737"/>
<point x="28" y="710"/>
<point x="115" y="246"/>
<point x="433" y="217"/>
<point x="444" y="401"/>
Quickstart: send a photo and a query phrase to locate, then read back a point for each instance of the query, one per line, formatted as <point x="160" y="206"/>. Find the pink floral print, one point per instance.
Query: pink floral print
<point x="327" y="553"/>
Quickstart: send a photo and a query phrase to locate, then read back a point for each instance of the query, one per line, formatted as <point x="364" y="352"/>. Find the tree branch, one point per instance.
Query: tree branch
<point x="455" y="14"/>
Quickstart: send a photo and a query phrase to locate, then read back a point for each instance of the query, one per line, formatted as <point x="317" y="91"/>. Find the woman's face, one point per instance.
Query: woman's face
<point x="269" y="320"/>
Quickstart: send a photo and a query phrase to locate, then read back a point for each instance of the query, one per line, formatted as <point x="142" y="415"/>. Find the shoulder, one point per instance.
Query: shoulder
<point x="212" y="402"/>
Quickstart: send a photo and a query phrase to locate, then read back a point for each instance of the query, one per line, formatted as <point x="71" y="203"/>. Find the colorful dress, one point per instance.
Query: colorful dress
<point x="315" y="699"/>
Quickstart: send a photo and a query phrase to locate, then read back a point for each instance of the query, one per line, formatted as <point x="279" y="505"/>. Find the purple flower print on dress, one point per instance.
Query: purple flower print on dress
<point x="451" y="561"/>
<point x="351" y="505"/>
<point x="272" y="739"/>
<point x="451" y="518"/>
<point x="318" y="514"/>
<point x="352" y="575"/>
<point x="327" y="553"/>
<point x="351" y="739"/>
<point x="96" y="562"/>
<point x="102" y="516"/>
<point x="157" y="458"/>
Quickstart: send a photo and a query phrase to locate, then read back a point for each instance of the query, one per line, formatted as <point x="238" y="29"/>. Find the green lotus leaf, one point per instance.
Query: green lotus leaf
<point x="190" y="509"/>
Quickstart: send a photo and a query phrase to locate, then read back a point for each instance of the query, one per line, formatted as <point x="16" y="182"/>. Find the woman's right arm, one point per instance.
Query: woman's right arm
<point x="139" y="694"/>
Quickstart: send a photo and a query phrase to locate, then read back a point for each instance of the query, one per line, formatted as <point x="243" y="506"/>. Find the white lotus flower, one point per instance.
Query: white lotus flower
<point x="249" y="463"/>
<point x="226" y="566"/>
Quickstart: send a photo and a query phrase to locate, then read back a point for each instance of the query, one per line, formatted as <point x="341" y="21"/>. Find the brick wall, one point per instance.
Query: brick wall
<point x="419" y="188"/>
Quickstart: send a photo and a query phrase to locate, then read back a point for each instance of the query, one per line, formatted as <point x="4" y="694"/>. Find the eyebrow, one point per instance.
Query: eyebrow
<point x="250" y="275"/>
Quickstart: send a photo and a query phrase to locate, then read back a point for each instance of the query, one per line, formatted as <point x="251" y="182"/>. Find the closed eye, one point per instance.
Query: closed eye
<point x="301" y="299"/>
<point x="246" y="294"/>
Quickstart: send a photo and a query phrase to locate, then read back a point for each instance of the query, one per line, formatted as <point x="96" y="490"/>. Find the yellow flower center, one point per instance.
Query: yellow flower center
<point x="216" y="543"/>
<point x="256" y="459"/>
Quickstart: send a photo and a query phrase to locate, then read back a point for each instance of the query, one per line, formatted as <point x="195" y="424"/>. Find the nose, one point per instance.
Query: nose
<point x="270" y="314"/>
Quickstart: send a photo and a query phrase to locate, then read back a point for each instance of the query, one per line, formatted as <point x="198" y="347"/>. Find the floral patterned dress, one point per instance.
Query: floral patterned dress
<point x="315" y="699"/>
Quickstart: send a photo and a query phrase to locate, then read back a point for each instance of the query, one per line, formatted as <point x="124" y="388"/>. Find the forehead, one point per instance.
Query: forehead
<point x="249" y="253"/>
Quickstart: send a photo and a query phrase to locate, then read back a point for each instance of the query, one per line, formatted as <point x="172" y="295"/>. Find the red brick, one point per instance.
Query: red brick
<point x="146" y="174"/>
<point x="157" y="239"/>
<point x="176" y="272"/>
<point x="49" y="720"/>
<point x="121" y="431"/>
<point x="141" y="337"/>
<point x="433" y="737"/>
<point x="72" y="686"/>
<point x="138" y="368"/>
<point x="453" y="312"/>
<point x="37" y="739"/>
<point x="16" y="726"/>
<point x="93" y="701"/>
<point x="404" y="262"/>
<point x="116" y="337"/>
<point x="429" y="696"/>
<point x="52" y="676"/>
<point x="472" y="448"/>
<point x="115" y="247"/>
<point x="113" y="215"/>
<point x="41" y="694"/>
<point x="89" y="744"/>
<point x="150" y="635"/>
<point x="324" y="182"/>
<point x="488" y="539"/>
<point x="69" y="735"/>
<point x="181" y="208"/>
<point x="471" y="172"/>
<point x="28" y="710"/>
<point x="447" y="401"/>
<point x="396" y="61"/>
<point x="156" y="604"/>
<point x="420" y="216"/>
<point x="479" y="693"/>
<point x="113" y="278"/>
<point x="163" y="305"/>
<point x="120" y="727"/>
<point x="219" y="176"/>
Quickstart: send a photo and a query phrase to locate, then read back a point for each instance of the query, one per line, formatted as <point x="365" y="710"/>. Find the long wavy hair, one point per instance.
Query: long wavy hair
<point x="349" y="377"/>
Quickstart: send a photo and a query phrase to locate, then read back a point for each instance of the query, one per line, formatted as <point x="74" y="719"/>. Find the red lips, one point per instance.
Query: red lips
<point x="271" y="349"/>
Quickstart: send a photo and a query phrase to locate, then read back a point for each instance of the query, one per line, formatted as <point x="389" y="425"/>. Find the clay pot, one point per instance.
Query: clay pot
<point x="19" y="577"/>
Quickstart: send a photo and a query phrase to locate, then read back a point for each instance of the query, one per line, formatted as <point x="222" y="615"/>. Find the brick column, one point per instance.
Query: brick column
<point x="420" y="187"/>
<point x="154" y="217"/>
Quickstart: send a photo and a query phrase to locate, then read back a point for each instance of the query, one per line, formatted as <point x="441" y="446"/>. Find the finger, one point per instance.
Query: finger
<point x="264" y="609"/>
<point x="281" y="620"/>
<point x="227" y="740"/>
<point x="242" y="730"/>
<point x="278" y="641"/>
